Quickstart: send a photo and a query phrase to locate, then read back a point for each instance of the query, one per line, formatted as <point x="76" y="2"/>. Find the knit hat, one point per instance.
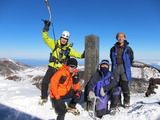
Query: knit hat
<point x="106" y="62"/>
<point x="120" y="33"/>
<point x="72" y="62"/>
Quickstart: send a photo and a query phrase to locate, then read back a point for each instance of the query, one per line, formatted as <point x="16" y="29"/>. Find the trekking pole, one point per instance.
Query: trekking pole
<point x="53" y="31"/>
<point x="94" y="106"/>
<point x="99" y="99"/>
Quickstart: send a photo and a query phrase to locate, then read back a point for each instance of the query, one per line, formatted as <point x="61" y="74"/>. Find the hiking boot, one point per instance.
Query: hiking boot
<point x="74" y="111"/>
<point x="42" y="101"/>
<point x="113" y="111"/>
<point x="126" y="106"/>
<point x="119" y="105"/>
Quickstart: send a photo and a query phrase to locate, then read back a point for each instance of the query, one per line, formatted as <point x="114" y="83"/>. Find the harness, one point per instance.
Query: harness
<point x="59" y="55"/>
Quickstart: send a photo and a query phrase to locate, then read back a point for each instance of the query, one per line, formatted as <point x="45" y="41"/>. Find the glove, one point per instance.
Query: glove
<point x="78" y="94"/>
<point x="83" y="55"/>
<point x="76" y="78"/>
<point x="91" y="95"/>
<point x="102" y="93"/>
<point x="46" y="25"/>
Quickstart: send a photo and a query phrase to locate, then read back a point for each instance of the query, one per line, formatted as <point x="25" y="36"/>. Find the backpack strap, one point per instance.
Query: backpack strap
<point x="66" y="53"/>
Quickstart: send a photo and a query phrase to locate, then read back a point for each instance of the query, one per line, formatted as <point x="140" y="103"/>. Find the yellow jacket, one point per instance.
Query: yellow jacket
<point x="57" y="52"/>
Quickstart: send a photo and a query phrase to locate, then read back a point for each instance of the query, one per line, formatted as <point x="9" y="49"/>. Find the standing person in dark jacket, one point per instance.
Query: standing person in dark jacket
<point x="103" y="85"/>
<point x="122" y="58"/>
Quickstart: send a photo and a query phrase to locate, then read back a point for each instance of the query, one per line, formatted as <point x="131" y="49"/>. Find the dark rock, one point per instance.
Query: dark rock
<point x="15" y="78"/>
<point x="152" y="86"/>
<point x="37" y="79"/>
<point x="138" y="85"/>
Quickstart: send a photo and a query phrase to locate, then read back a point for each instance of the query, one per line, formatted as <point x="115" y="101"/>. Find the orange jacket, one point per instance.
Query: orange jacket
<point x="61" y="83"/>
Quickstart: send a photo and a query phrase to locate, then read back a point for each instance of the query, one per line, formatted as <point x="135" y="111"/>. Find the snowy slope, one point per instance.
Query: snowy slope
<point x="145" y="73"/>
<point x="22" y="97"/>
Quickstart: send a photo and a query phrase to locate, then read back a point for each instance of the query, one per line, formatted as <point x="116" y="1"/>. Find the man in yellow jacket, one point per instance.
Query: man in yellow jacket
<point x="61" y="51"/>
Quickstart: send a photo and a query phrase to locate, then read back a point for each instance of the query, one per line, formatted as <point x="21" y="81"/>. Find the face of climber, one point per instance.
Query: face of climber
<point x="121" y="38"/>
<point x="71" y="68"/>
<point x="63" y="41"/>
<point x="104" y="65"/>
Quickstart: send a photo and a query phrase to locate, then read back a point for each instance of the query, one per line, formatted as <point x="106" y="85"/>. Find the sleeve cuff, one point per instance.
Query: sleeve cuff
<point x="57" y="97"/>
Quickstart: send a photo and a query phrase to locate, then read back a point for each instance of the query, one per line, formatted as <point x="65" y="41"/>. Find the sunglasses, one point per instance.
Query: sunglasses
<point x="72" y="66"/>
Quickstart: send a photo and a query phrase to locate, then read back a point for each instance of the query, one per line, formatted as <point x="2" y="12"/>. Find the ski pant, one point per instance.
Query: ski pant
<point x="102" y="105"/>
<point x="60" y="106"/>
<point x="45" y="82"/>
<point x="121" y="78"/>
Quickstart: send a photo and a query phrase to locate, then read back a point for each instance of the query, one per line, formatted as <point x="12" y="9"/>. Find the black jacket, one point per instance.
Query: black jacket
<point x="129" y="51"/>
<point x="127" y="57"/>
<point x="98" y="77"/>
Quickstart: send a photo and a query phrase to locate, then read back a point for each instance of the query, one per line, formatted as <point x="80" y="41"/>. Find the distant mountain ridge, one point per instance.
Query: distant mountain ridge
<point x="8" y="66"/>
<point x="12" y="70"/>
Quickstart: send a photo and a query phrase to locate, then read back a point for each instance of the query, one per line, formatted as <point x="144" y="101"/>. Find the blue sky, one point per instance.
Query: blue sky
<point x="21" y="25"/>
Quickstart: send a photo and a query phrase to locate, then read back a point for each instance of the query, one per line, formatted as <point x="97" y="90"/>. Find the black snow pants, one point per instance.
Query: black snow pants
<point x="113" y="96"/>
<point x="45" y="82"/>
<point x="121" y="77"/>
<point x="60" y="106"/>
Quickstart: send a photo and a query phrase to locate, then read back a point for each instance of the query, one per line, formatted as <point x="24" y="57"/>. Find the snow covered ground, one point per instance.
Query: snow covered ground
<point x="18" y="101"/>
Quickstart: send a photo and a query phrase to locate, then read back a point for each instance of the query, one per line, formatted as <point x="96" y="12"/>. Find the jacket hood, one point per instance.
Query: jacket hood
<point x="125" y="43"/>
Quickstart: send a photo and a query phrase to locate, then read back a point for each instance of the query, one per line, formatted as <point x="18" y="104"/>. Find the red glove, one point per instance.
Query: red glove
<point x="78" y="94"/>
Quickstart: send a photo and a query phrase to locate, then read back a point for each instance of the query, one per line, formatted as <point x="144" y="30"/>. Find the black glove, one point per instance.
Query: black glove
<point x="76" y="78"/>
<point x="46" y="25"/>
<point x="83" y="55"/>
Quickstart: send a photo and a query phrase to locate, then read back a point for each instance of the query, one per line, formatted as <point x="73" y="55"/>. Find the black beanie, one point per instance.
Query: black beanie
<point x="72" y="61"/>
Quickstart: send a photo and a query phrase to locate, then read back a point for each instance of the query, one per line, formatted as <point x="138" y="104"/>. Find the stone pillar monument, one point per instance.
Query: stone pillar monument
<point x="91" y="63"/>
<point x="91" y="56"/>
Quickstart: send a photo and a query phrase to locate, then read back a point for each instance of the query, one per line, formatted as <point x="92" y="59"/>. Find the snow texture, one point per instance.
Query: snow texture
<point x="19" y="100"/>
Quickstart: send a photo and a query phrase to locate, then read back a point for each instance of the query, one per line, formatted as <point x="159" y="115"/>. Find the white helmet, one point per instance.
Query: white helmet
<point x="65" y="34"/>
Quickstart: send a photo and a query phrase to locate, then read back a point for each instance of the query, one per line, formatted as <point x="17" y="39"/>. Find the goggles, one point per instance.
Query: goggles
<point x="72" y="66"/>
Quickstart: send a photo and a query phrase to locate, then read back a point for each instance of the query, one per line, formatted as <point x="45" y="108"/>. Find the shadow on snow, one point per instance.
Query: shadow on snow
<point x="8" y="113"/>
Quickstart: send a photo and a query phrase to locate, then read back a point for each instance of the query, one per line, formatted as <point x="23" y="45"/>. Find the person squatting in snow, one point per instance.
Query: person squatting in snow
<point x="102" y="85"/>
<point x="122" y="58"/>
<point x="64" y="85"/>
<point x="61" y="51"/>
